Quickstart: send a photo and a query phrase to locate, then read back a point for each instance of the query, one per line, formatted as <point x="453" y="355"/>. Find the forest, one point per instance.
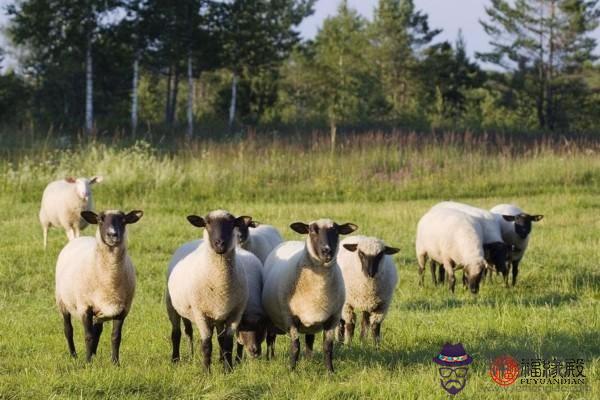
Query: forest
<point x="211" y="69"/>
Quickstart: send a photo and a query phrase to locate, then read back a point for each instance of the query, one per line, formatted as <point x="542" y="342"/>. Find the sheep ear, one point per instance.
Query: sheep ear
<point x="70" y="179"/>
<point x="346" y="228"/>
<point x="299" y="227"/>
<point x="351" y="246"/>
<point x="244" y="220"/>
<point x="254" y="224"/>
<point x="96" y="179"/>
<point x="509" y="217"/>
<point x="196" y="221"/>
<point x="90" y="217"/>
<point x="537" y="218"/>
<point x="390" y="250"/>
<point x="133" y="216"/>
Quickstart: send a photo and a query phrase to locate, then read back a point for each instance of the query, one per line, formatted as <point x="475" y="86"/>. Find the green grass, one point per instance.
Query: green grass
<point x="384" y="188"/>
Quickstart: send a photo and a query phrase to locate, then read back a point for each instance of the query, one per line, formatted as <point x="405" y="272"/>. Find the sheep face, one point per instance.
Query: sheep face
<point x="251" y="334"/>
<point x="497" y="254"/>
<point x="370" y="254"/>
<point x="222" y="229"/>
<point x="323" y="237"/>
<point x="473" y="274"/>
<point x="111" y="224"/>
<point x="244" y="231"/>
<point x="523" y="222"/>
<point x="82" y="186"/>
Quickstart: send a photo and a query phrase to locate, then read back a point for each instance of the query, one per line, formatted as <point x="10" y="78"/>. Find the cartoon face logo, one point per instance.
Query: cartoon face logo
<point x="453" y="368"/>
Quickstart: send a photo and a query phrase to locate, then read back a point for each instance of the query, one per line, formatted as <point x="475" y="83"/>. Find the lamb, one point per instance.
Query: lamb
<point x="260" y="239"/>
<point x="95" y="280"/>
<point x="454" y="239"/>
<point x="516" y="227"/>
<point x="208" y="285"/>
<point x="304" y="288"/>
<point x="252" y="329"/>
<point x="370" y="278"/>
<point x="62" y="203"/>
<point x="495" y="249"/>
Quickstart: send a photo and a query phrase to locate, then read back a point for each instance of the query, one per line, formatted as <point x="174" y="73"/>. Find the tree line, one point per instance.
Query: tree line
<point x="197" y="64"/>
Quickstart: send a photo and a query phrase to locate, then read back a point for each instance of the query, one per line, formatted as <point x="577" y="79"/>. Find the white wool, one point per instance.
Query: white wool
<point x="262" y="240"/>
<point x="491" y="228"/>
<point x="373" y="295"/>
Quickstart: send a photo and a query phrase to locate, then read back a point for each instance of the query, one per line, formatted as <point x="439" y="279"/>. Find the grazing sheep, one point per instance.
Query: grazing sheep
<point x="62" y="204"/>
<point x="259" y="239"/>
<point x="95" y="280"/>
<point x="455" y="240"/>
<point x="304" y="288"/>
<point x="494" y="247"/>
<point x="208" y="285"/>
<point x="516" y="227"/>
<point x="370" y="278"/>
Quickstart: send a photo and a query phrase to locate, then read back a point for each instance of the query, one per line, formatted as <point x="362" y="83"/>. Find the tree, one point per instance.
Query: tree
<point x="548" y="42"/>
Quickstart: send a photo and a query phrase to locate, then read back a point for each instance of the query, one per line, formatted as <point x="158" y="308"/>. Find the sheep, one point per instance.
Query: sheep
<point x="95" y="280"/>
<point x="259" y="239"/>
<point x="454" y="239"/>
<point x="62" y="203"/>
<point x="208" y="285"/>
<point x="370" y="278"/>
<point x="304" y="288"/>
<point x="252" y="329"/>
<point x="495" y="249"/>
<point x="516" y="227"/>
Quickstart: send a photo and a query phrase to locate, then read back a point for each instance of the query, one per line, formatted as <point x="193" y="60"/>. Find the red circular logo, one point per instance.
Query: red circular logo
<point x="504" y="370"/>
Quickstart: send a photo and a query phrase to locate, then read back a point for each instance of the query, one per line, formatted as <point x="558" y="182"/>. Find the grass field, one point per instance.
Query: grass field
<point x="384" y="188"/>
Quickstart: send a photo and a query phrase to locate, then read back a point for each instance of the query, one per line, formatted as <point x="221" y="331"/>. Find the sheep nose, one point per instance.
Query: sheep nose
<point x="326" y="250"/>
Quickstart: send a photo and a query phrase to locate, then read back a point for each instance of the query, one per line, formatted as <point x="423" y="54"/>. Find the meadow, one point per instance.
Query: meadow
<point x="381" y="182"/>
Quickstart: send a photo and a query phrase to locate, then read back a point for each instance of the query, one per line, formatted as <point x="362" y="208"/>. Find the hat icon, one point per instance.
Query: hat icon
<point x="453" y="355"/>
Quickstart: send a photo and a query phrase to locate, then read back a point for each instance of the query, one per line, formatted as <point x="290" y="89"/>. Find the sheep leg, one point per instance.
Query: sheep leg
<point x="88" y="328"/>
<point x="310" y="341"/>
<point x="189" y="332"/>
<point x="70" y="234"/>
<point x="69" y="334"/>
<point x="205" y="329"/>
<point x="328" y="338"/>
<point x="175" y="329"/>
<point x="449" y="268"/>
<point x="364" y="325"/>
<point x="271" y="336"/>
<point x="422" y="260"/>
<point x="376" y="332"/>
<point x="340" y="330"/>
<point x="349" y="318"/>
<point x="116" y="338"/>
<point x="225" y="338"/>
<point x="239" y="352"/>
<point x="294" y="347"/>
<point x="45" y="231"/>
<point x="76" y="232"/>
<point x="432" y="267"/>
<point x="515" y="271"/>
<point x="442" y="273"/>
<point x="97" y="332"/>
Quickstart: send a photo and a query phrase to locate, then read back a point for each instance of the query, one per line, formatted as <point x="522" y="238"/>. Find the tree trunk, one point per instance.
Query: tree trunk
<point x="175" y="91"/>
<point x="190" y="105"/>
<point x="233" y="101"/>
<point x="550" y="74"/>
<point x="89" y="87"/>
<point x="541" y="71"/>
<point x="332" y="133"/>
<point x="134" y="95"/>
<point x="168" y="98"/>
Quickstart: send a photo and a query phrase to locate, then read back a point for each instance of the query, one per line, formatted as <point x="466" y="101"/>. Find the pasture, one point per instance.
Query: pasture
<point x="381" y="183"/>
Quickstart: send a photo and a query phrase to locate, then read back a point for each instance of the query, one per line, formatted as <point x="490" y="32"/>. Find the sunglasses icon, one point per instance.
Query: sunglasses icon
<point x="460" y="372"/>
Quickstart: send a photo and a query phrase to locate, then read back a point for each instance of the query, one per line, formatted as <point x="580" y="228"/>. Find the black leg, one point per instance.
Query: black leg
<point x="69" y="334"/>
<point x="294" y="347"/>
<point x="97" y="332"/>
<point x="206" y="352"/>
<point x="442" y="273"/>
<point x="271" y="336"/>
<point x="310" y="341"/>
<point x="515" y="271"/>
<point x="341" y="331"/>
<point x="239" y="352"/>
<point x="88" y="329"/>
<point x="376" y="332"/>
<point x="116" y="338"/>
<point x="364" y="325"/>
<point x="225" y="339"/>
<point x="189" y="332"/>
<point x="433" y="265"/>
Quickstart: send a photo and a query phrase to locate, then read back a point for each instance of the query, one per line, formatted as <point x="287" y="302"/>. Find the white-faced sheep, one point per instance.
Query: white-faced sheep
<point x="496" y="251"/>
<point x="253" y="326"/>
<point x="95" y="280"/>
<point x="260" y="239"/>
<point x="453" y="239"/>
<point x="370" y="278"/>
<point x="62" y="204"/>
<point x="516" y="227"/>
<point x="304" y="288"/>
<point x="208" y="286"/>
